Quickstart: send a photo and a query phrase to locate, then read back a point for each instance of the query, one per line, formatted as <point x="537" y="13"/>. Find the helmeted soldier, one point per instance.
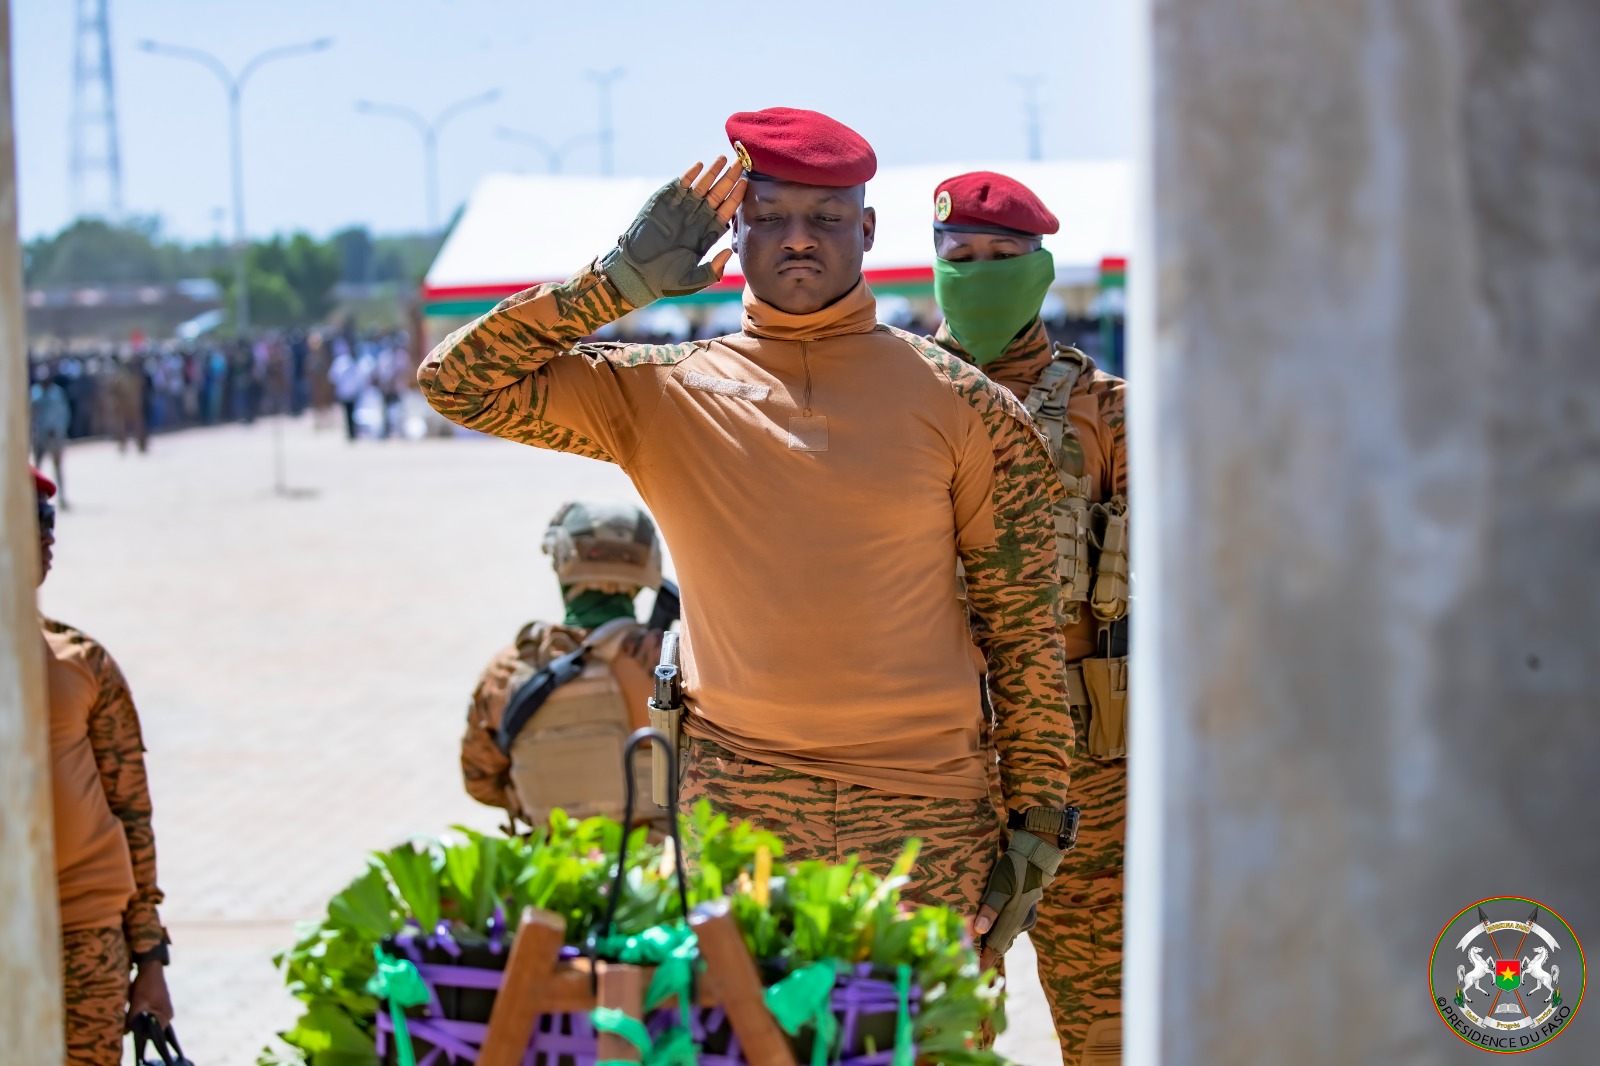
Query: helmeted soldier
<point x="990" y="280"/>
<point x="817" y="477"/>
<point x="552" y="712"/>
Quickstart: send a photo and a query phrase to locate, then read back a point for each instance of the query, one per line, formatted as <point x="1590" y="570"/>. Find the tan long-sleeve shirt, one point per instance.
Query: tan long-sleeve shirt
<point x="817" y="477"/>
<point x="105" y="845"/>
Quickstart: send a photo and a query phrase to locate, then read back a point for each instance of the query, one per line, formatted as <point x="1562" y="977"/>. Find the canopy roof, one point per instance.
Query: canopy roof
<point x="520" y="230"/>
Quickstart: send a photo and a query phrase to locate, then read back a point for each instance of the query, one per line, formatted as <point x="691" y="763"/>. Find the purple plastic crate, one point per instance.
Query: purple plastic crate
<point x="865" y="1006"/>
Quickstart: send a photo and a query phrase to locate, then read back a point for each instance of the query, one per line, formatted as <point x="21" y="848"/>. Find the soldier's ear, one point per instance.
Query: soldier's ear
<point x="869" y="226"/>
<point x="738" y="231"/>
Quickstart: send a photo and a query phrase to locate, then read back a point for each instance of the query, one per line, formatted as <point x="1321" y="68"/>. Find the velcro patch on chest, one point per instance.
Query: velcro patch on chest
<point x="808" y="433"/>
<point x="745" y="390"/>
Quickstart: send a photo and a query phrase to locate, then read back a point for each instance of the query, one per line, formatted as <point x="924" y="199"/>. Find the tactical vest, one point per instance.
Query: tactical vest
<point x="1091" y="534"/>
<point x="569" y="753"/>
<point x="1091" y="559"/>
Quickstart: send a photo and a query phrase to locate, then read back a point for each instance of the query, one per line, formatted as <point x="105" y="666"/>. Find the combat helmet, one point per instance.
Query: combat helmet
<point x="606" y="546"/>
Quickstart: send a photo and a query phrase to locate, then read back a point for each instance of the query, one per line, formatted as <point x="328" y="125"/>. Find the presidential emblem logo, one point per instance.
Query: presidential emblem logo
<point x="1497" y="974"/>
<point x="744" y="155"/>
<point x="942" y="206"/>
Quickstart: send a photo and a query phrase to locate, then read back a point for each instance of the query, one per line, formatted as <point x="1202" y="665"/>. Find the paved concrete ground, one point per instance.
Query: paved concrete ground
<point x="302" y="666"/>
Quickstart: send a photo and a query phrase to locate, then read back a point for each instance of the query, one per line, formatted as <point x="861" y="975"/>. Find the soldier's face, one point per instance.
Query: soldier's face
<point x="47" y="536"/>
<point x="981" y="247"/>
<point x="800" y="246"/>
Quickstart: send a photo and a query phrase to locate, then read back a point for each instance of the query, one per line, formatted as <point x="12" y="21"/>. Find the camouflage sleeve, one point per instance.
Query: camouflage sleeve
<point x="1013" y="596"/>
<point x="119" y="754"/>
<point x="519" y="371"/>
<point x="485" y="769"/>
<point x="1110" y="394"/>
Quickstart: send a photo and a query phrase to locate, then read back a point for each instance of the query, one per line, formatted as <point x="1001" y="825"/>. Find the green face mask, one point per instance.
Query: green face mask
<point x="591" y="607"/>
<point x="987" y="304"/>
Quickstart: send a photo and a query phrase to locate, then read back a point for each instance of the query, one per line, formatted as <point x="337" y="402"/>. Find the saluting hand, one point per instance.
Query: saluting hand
<point x="660" y="254"/>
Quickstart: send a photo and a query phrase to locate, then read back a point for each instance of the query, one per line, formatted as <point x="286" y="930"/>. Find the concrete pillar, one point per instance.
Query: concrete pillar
<point x="1367" y="465"/>
<point x="30" y="967"/>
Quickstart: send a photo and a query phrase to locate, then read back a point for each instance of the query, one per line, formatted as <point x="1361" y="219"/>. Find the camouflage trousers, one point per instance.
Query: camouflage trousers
<point x="1079" y="935"/>
<point x="94" y="977"/>
<point x="830" y="820"/>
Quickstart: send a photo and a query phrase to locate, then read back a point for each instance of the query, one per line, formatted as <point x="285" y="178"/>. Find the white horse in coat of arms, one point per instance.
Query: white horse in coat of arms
<point x="1468" y="979"/>
<point x="1542" y="978"/>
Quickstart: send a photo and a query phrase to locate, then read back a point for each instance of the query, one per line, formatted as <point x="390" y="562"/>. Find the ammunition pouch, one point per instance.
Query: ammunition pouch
<point x="1099" y="685"/>
<point x="1072" y="547"/>
<point x="1108" y="598"/>
<point x="668" y="721"/>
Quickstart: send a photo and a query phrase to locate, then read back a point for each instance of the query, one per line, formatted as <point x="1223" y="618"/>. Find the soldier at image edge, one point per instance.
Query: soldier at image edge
<point x="549" y="718"/>
<point x="104" y="843"/>
<point x="817" y="477"/>
<point x="990" y="280"/>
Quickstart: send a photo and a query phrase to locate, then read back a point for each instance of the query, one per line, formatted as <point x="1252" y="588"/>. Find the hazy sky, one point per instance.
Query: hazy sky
<point x="923" y="80"/>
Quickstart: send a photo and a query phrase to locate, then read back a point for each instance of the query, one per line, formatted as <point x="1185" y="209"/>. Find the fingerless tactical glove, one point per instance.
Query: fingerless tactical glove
<point x="1017" y="885"/>
<point x="660" y="254"/>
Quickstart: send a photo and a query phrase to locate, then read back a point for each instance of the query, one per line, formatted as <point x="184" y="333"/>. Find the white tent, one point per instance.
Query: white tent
<point x="520" y="230"/>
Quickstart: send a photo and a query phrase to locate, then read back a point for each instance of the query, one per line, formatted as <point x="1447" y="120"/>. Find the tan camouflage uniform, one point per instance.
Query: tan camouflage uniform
<point x="95" y="967"/>
<point x="1079" y="935"/>
<point x="832" y="820"/>
<point x="496" y="375"/>
<point x="97" y="948"/>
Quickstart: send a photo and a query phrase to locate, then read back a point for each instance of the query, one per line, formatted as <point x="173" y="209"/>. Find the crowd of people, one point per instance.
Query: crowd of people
<point x="129" y="393"/>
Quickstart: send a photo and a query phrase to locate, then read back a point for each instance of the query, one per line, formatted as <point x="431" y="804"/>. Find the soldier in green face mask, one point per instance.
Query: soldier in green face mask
<point x="990" y="279"/>
<point x="549" y="717"/>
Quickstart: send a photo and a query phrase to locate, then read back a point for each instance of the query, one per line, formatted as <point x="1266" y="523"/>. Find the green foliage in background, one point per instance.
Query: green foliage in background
<point x="92" y="251"/>
<point x="804" y="913"/>
<point x="292" y="278"/>
<point x="291" y="281"/>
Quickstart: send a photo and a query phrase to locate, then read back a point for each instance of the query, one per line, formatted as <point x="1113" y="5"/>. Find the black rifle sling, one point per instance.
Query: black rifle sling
<point x="668" y="608"/>
<point x="532" y="693"/>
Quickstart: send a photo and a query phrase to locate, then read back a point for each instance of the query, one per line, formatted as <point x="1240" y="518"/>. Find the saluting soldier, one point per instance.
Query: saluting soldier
<point x="105" y="845"/>
<point x="552" y="712"/>
<point x="816" y="476"/>
<point x="990" y="280"/>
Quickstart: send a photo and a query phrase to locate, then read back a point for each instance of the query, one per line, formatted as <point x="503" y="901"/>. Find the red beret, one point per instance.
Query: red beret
<point x="41" y="484"/>
<point x="988" y="202"/>
<point x="787" y="144"/>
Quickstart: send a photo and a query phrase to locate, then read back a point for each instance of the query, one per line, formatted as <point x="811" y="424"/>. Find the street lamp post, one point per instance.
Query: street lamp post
<point x="1030" y="108"/>
<point x="553" y="155"/>
<point x="234" y="84"/>
<point x="430" y="137"/>
<point x="602" y="80"/>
